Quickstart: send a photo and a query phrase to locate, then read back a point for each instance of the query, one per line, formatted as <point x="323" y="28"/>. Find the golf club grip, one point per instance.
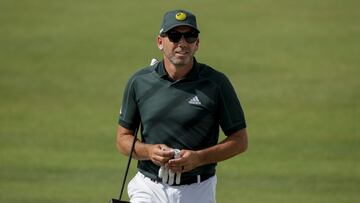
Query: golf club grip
<point x="128" y="164"/>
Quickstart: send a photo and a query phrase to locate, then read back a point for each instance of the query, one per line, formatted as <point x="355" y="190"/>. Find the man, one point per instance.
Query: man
<point x="179" y="104"/>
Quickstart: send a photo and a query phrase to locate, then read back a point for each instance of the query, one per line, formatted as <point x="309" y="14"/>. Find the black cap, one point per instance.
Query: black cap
<point x="177" y="18"/>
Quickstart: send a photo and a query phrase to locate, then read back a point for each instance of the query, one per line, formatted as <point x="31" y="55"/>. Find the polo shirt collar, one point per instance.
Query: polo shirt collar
<point x="192" y="75"/>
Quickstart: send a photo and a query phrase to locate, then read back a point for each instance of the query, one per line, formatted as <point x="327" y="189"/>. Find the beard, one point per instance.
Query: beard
<point x="180" y="60"/>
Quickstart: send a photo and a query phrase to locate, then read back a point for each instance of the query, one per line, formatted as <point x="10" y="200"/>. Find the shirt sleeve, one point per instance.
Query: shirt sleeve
<point x="129" y="113"/>
<point x="231" y="115"/>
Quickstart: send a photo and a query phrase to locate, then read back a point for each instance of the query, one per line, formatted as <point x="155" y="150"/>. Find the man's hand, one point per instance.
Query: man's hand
<point x="232" y="145"/>
<point x="188" y="161"/>
<point x="159" y="154"/>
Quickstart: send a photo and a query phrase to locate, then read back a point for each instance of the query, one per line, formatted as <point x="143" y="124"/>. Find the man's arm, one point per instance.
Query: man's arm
<point x="229" y="147"/>
<point x="158" y="153"/>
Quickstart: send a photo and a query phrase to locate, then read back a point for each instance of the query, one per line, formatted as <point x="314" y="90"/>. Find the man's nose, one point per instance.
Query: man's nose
<point x="182" y="41"/>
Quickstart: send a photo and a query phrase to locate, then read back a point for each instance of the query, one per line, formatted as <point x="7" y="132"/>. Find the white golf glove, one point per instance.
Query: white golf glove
<point x="167" y="175"/>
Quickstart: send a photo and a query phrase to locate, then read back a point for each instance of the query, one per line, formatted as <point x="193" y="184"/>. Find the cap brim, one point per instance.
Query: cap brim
<point x="181" y="24"/>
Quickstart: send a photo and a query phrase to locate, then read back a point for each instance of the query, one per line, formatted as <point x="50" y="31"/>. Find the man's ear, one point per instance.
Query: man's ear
<point x="197" y="44"/>
<point x="160" y="43"/>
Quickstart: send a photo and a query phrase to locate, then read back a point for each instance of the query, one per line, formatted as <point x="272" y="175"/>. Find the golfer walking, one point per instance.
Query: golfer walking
<point x="179" y="104"/>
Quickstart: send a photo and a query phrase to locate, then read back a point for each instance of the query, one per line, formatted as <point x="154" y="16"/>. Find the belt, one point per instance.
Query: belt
<point x="189" y="180"/>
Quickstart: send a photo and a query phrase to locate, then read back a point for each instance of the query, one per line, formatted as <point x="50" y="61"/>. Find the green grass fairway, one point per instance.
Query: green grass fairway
<point x="294" y="64"/>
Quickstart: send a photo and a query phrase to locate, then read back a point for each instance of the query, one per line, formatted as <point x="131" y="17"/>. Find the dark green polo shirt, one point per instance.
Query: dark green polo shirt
<point x="183" y="114"/>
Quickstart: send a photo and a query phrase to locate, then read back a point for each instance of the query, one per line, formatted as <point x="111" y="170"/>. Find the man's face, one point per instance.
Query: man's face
<point x="178" y="53"/>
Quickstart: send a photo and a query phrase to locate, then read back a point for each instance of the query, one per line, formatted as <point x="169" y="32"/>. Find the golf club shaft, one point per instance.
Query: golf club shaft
<point x="128" y="164"/>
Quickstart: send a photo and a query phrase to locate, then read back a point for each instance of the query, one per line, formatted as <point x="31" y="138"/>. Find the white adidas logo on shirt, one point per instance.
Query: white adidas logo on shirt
<point x="195" y="100"/>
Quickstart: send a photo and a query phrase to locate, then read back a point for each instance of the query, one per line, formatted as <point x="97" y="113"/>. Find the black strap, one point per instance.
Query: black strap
<point x="128" y="164"/>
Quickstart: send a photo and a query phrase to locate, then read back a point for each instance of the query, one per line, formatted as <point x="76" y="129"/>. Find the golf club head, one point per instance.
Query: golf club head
<point x="117" y="201"/>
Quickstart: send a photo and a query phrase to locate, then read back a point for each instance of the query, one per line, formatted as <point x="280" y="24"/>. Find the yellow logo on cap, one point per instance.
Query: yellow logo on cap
<point x="180" y="16"/>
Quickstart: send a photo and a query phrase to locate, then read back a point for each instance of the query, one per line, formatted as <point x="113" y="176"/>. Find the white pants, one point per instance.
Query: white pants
<point x="143" y="190"/>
